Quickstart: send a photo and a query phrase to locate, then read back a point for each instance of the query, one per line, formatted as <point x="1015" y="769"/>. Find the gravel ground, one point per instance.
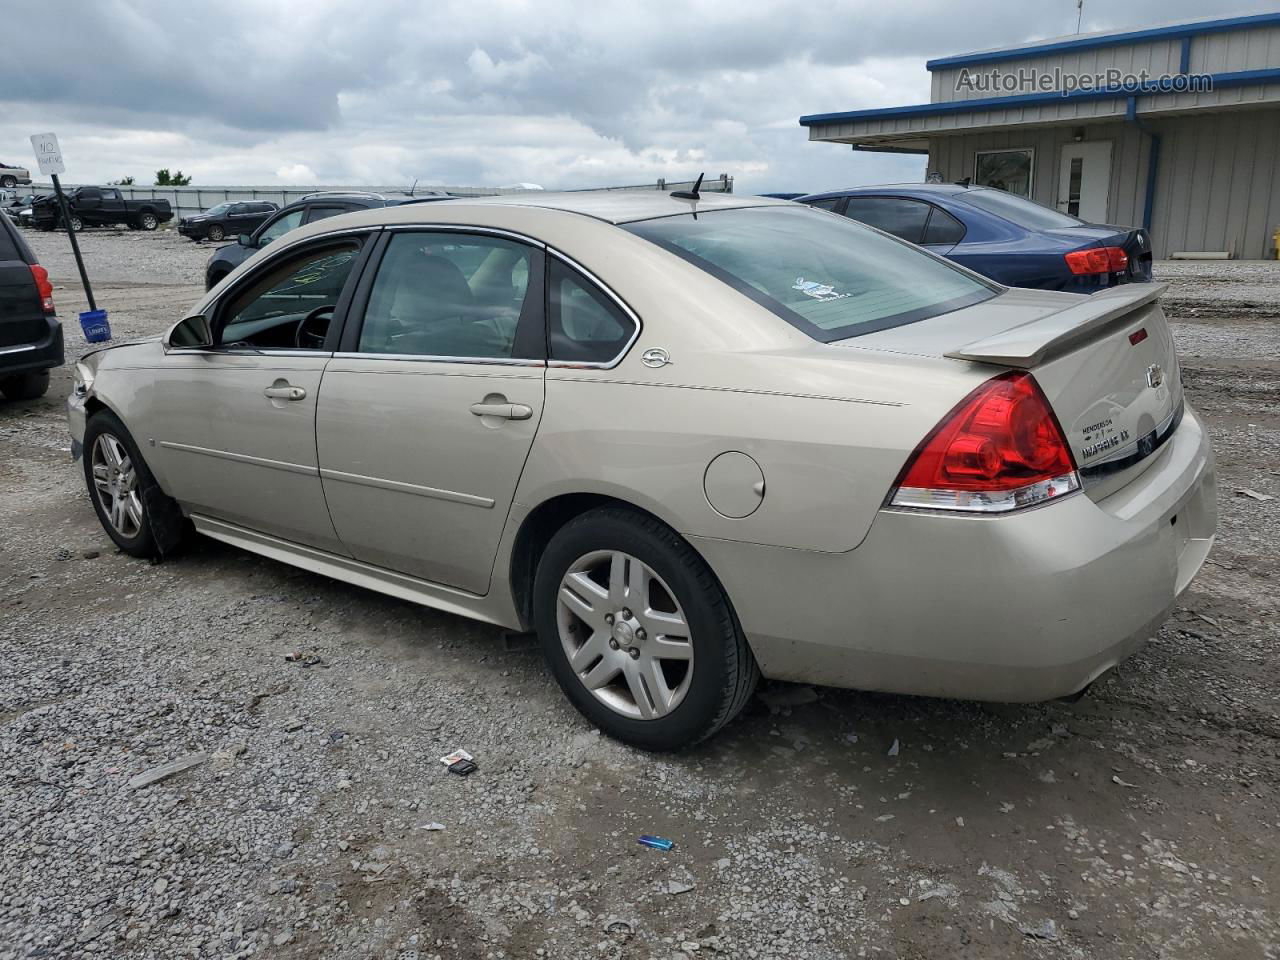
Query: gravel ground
<point x="1140" y="822"/>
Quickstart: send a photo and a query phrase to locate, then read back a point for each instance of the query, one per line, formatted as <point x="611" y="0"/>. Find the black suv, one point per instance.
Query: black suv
<point x="228" y="219"/>
<point x="30" y="334"/>
<point x="308" y="209"/>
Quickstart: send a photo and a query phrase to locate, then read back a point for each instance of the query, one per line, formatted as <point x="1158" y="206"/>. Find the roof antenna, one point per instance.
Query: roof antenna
<point x="692" y="195"/>
<point x="966" y="182"/>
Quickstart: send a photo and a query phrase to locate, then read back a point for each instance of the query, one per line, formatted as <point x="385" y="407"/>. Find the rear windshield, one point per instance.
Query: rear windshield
<point x="11" y="246"/>
<point x="828" y="276"/>
<point x="1015" y="209"/>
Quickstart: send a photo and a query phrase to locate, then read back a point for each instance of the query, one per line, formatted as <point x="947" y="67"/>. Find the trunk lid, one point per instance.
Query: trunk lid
<point x="1106" y="363"/>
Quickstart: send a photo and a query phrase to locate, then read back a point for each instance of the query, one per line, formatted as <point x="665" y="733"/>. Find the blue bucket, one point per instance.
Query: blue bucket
<point x="95" y="326"/>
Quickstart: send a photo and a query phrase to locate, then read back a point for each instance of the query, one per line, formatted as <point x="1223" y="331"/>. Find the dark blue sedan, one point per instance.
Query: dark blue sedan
<point x="1002" y="236"/>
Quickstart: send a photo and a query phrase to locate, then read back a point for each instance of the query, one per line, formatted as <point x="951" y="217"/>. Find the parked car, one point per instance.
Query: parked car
<point x="22" y="215"/>
<point x="308" y="209"/>
<point x="101" y="206"/>
<point x="228" y="219"/>
<point x="30" y="334"/>
<point x="11" y="176"/>
<point x="1000" y="235"/>
<point x="685" y="450"/>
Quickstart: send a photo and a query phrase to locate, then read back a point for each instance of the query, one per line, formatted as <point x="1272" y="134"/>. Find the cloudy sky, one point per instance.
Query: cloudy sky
<point x="492" y="92"/>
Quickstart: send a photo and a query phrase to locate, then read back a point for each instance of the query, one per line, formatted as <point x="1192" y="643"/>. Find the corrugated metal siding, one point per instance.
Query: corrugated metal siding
<point x="1255" y="49"/>
<point x="1156" y="57"/>
<point x="1217" y="185"/>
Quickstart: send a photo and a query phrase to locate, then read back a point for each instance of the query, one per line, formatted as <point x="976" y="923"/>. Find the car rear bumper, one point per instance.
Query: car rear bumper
<point x="1018" y="608"/>
<point x="44" y="354"/>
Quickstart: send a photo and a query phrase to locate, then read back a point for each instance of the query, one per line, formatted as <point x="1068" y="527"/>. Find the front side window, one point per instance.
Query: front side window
<point x="290" y="305"/>
<point x="282" y="226"/>
<point x="830" y="277"/>
<point x="1008" y="170"/>
<point x="896" y="215"/>
<point x="584" y="324"/>
<point x="219" y="210"/>
<point x="444" y="294"/>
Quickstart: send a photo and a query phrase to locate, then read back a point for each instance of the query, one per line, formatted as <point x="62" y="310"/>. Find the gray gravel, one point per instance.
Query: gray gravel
<point x="1140" y="822"/>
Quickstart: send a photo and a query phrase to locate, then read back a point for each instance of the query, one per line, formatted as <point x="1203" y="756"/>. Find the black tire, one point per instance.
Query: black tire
<point x="25" y="386"/>
<point x="148" y="220"/>
<point x="77" y="224"/>
<point x="724" y="670"/>
<point x="162" y="526"/>
<point x="8" y="182"/>
<point x="215" y="233"/>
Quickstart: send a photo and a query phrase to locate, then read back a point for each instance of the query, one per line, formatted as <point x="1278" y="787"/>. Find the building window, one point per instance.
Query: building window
<point x="1008" y="170"/>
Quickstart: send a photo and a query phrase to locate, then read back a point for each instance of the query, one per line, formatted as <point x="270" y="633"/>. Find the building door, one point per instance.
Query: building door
<point x="1084" y="180"/>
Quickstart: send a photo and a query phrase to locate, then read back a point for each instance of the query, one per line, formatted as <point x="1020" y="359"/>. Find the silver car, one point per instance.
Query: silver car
<point x="687" y="441"/>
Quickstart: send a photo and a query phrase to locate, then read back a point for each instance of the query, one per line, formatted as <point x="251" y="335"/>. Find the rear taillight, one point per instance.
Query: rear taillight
<point x="1000" y="449"/>
<point x="43" y="287"/>
<point x="1097" y="260"/>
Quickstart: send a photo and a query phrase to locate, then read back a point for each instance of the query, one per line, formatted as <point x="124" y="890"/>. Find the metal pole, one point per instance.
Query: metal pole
<point x="75" y="246"/>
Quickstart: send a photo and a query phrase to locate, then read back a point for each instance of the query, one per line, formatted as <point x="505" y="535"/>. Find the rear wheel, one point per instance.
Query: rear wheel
<point x="215" y="233"/>
<point x="8" y="182"/>
<point x="132" y="508"/>
<point x="148" y="221"/>
<point x="638" y="633"/>
<point x="25" y="386"/>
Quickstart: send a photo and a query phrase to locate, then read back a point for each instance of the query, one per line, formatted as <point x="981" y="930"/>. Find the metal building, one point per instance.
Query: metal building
<point x="1175" y="128"/>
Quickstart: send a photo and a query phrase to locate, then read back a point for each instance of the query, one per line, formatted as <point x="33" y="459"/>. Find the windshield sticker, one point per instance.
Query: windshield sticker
<point x="819" y="291"/>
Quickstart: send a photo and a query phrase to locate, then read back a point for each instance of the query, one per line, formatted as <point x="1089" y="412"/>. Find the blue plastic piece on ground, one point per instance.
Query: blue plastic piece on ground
<point x="95" y="326"/>
<point x="658" y="843"/>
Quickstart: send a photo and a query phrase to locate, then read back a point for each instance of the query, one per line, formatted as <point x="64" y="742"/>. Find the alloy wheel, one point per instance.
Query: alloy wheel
<point x="625" y="634"/>
<point x="115" y="481"/>
<point x="149" y="222"/>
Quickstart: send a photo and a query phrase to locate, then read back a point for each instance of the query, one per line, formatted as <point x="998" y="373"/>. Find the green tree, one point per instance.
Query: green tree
<point x="166" y="179"/>
<point x="122" y="182"/>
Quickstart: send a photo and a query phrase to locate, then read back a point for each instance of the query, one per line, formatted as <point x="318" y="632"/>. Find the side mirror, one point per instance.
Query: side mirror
<point x="189" y="333"/>
<point x="244" y="240"/>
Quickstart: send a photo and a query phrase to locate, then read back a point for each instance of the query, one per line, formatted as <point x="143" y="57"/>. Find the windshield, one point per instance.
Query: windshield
<point x="1015" y="209"/>
<point x="828" y="276"/>
<point x="220" y="208"/>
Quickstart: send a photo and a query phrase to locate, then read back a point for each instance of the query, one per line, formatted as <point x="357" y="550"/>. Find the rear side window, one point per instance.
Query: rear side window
<point x="901" y="217"/>
<point x="829" y="204"/>
<point x="584" y="324"/>
<point x="828" y="276"/>
<point x="943" y="228"/>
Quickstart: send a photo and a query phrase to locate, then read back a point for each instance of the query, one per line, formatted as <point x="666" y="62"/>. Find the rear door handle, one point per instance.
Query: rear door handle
<point x="284" y="392"/>
<point x="507" y="411"/>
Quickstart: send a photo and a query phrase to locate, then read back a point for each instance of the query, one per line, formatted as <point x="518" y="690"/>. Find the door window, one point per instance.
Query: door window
<point x="584" y="324"/>
<point x="943" y="228"/>
<point x="290" y="304"/>
<point x="282" y="226"/>
<point x="896" y="215"/>
<point x="449" y="295"/>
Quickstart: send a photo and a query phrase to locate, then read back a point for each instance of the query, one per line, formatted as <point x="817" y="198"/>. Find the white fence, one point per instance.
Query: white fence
<point x="194" y="199"/>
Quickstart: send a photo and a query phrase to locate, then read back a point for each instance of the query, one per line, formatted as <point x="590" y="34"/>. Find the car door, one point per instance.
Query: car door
<point x="428" y="411"/>
<point x="235" y="423"/>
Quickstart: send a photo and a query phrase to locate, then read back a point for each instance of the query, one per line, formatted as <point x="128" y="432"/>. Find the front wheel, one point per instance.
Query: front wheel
<point x="25" y="386"/>
<point x="77" y="224"/>
<point x="638" y="632"/>
<point x="135" y="512"/>
<point x="215" y="233"/>
<point x="148" y="221"/>
<point x="8" y="182"/>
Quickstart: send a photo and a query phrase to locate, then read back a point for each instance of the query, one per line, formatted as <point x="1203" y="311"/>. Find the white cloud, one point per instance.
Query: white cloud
<point x="566" y="93"/>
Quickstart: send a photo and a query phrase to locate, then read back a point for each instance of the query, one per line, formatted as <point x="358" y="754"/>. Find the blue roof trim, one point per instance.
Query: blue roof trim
<point x="1239" y="79"/>
<point x="1109" y="40"/>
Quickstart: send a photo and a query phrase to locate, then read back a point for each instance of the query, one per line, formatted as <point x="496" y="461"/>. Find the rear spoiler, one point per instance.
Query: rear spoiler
<point x="1029" y="344"/>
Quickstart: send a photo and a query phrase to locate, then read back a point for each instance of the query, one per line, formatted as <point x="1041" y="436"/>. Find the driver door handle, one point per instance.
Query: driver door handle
<point x="507" y="411"/>
<point x="285" y="392"/>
